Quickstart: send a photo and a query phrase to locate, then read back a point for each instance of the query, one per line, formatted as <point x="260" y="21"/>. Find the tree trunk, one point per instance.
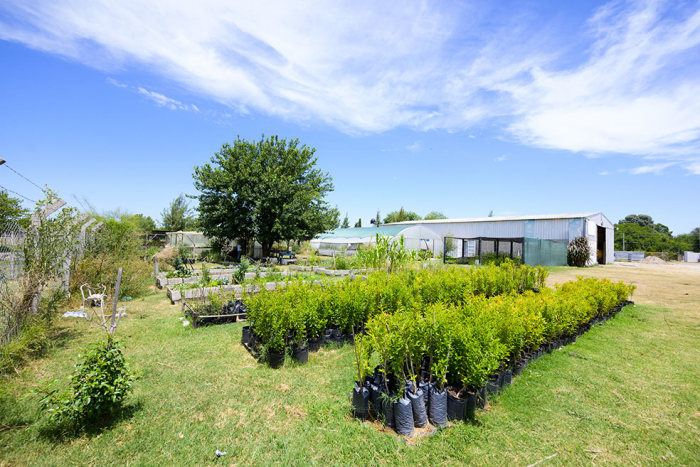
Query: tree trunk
<point x="266" y="248"/>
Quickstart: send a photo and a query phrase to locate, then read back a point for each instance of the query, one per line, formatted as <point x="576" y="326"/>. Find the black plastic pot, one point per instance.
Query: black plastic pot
<point x="315" y="345"/>
<point x="403" y="417"/>
<point x="349" y="339"/>
<point x="301" y="355"/>
<point x="336" y="337"/>
<point x="518" y="369"/>
<point x="420" y="415"/>
<point x="275" y="360"/>
<point x="482" y="400"/>
<point x="437" y="409"/>
<point x="507" y="377"/>
<point x="501" y="381"/>
<point x="374" y="399"/>
<point x="471" y="406"/>
<point x="492" y="387"/>
<point x="456" y="408"/>
<point x="360" y="402"/>
<point x="245" y="335"/>
<point x="387" y="411"/>
<point x="425" y="387"/>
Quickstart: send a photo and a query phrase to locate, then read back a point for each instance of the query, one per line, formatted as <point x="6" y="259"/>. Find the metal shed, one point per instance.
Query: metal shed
<point x="347" y="240"/>
<point x="563" y="227"/>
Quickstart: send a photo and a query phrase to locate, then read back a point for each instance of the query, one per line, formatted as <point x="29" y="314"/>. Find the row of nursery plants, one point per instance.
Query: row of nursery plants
<point x="306" y="314"/>
<point x="437" y="362"/>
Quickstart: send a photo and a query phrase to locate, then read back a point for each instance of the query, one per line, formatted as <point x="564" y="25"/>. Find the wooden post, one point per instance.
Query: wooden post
<point x="112" y="327"/>
<point x="36" y="223"/>
<point x="479" y="251"/>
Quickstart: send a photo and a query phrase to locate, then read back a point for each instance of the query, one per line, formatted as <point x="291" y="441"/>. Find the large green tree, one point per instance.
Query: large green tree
<point x="690" y="241"/>
<point x="267" y="190"/>
<point x="400" y="216"/>
<point x="12" y="212"/>
<point x="178" y="215"/>
<point x="640" y="232"/>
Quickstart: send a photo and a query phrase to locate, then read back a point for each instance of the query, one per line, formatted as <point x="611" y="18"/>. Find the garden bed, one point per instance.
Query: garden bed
<point x="231" y="312"/>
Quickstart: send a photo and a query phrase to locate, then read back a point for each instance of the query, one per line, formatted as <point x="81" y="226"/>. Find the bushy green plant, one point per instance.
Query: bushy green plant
<point x="578" y="252"/>
<point x="99" y="385"/>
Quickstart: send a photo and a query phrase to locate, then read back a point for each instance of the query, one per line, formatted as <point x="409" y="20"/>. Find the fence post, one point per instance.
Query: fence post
<point x="116" y="301"/>
<point x="36" y="223"/>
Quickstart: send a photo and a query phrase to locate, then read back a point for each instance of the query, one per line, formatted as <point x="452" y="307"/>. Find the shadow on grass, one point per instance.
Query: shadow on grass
<point x="59" y="433"/>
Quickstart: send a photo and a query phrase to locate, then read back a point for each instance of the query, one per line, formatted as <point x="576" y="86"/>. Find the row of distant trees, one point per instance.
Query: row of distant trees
<point x="639" y="232"/>
<point x="176" y="216"/>
<point x="270" y="191"/>
<point x="397" y="216"/>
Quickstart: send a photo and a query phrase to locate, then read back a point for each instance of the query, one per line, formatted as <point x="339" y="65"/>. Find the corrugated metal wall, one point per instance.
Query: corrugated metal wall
<point x="550" y="229"/>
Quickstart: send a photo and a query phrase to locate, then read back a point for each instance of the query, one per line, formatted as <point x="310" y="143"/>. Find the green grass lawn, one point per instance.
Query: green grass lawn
<point x="626" y="393"/>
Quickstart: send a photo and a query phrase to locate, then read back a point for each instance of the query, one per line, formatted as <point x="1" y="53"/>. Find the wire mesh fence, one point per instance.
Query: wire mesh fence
<point x="12" y="239"/>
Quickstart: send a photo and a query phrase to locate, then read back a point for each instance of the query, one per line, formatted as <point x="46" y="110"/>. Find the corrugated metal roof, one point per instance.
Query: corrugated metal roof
<point x="499" y="218"/>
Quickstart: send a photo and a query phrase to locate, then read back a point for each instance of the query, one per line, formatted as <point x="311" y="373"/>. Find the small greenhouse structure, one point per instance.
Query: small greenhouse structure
<point x="347" y="240"/>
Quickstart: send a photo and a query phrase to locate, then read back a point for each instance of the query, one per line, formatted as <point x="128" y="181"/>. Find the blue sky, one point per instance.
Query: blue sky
<point x="522" y="107"/>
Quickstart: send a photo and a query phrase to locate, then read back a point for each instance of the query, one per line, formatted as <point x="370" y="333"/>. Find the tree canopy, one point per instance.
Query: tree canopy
<point x="346" y="222"/>
<point x="640" y="232"/>
<point x="267" y="190"/>
<point x="434" y="215"/>
<point x="11" y="211"/>
<point x="178" y="215"/>
<point x="401" y="215"/>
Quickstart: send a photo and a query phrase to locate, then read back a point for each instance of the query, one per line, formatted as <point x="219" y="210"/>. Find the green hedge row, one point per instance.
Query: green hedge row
<point x="304" y="311"/>
<point x="464" y="344"/>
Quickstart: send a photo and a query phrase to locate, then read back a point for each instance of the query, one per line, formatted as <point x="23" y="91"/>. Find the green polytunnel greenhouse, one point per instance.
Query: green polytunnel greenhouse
<point x="347" y="240"/>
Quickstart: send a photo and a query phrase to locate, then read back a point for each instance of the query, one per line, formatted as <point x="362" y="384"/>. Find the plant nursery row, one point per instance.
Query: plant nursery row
<point x="303" y="312"/>
<point x="442" y="358"/>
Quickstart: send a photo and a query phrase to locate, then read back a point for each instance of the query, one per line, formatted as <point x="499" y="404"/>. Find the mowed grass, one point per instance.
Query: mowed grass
<point x="627" y="393"/>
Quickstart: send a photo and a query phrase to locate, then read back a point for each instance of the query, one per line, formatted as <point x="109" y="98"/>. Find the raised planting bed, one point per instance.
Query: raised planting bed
<point x="253" y="283"/>
<point x="230" y="312"/>
<point x="162" y="281"/>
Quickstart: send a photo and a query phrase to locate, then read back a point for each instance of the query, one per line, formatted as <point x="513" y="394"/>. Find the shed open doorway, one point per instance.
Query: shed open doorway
<point x="601" y="245"/>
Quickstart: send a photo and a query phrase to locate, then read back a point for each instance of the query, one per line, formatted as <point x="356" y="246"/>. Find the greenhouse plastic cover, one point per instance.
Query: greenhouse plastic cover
<point x="544" y="252"/>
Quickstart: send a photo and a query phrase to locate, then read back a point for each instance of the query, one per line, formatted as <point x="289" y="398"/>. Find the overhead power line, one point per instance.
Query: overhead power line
<point x="18" y="194"/>
<point x="5" y="164"/>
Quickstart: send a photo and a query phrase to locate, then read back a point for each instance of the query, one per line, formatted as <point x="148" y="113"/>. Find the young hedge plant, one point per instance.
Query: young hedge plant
<point x="99" y="385"/>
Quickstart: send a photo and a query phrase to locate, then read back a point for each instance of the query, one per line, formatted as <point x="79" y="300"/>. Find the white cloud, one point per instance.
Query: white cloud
<point x="472" y="136"/>
<point x="693" y="167"/>
<point x="117" y="83"/>
<point x="164" y="101"/>
<point x="499" y="159"/>
<point x="415" y="147"/>
<point x="651" y="169"/>
<point x="604" y="173"/>
<point x="633" y="88"/>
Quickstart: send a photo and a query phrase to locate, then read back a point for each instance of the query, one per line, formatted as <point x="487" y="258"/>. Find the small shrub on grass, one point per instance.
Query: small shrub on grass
<point x="99" y="385"/>
<point x="578" y="252"/>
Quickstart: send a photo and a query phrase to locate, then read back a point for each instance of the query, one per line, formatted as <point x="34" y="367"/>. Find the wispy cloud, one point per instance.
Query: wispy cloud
<point x="499" y="159"/>
<point x="651" y="169"/>
<point x="632" y="87"/>
<point x="117" y="83"/>
<point x="415" y="147"/>
<point x="604" y="173"/>
<point x="164" y="101"/>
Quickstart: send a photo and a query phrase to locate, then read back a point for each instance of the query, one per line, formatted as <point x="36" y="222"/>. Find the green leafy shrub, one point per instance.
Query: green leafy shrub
<point x="578" y="253"/>
<point x="99" y="385"/>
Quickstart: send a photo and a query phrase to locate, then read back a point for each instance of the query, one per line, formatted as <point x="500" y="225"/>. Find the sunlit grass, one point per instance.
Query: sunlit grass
<point x="626" y="393"/>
